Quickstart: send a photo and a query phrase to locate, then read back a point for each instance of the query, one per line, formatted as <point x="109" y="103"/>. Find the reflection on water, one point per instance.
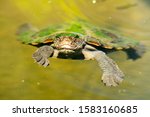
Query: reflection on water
<point x="126" y="6"/>
<point x="21" y="78"/>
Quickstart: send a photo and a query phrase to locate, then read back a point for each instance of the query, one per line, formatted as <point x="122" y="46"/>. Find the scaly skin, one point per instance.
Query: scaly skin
<point x="112" y="75"/>
<point x="42" y="54"/>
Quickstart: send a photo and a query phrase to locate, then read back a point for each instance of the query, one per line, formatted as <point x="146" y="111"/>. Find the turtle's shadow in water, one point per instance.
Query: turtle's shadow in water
<point x="131" y="53"/>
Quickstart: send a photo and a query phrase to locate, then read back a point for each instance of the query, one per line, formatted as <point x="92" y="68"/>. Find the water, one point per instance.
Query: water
<point x="21" y="78"/>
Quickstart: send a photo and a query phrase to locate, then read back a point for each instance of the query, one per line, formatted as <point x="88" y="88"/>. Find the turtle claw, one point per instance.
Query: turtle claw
<point x="111" y="79"/>
<point x="40" y="60"/>
<point x="46" y="63"/>
<point x="41" y="55"/>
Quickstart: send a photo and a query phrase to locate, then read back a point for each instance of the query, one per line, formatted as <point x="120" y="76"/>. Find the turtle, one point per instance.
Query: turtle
<point x="80" y="39"/>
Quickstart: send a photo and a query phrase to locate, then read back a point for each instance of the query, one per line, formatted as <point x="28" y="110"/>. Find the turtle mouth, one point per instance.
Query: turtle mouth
<point x="67" y="47"/>
<point x="68" y="43"/>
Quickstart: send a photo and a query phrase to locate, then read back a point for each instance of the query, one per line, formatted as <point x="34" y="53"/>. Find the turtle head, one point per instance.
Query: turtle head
<point x="68" y="44"/>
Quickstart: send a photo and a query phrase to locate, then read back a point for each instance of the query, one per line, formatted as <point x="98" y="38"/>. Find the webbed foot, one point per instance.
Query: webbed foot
<point x="41" y="55"/>
<point x="112" y="75"/>
<point x="111" y="79"/>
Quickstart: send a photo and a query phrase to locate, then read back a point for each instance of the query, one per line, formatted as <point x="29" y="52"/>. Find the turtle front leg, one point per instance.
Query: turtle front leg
<point x="42" y="54"/>
<point x="112" y="75"/>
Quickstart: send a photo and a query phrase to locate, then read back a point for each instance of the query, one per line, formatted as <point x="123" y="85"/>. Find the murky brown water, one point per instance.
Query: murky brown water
<point x="21" y="78"/>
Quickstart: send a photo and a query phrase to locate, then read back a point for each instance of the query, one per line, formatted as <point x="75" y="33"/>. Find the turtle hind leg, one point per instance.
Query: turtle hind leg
<point x="112" y="75"/>
<point x="136" y="52"/>
<point x="42" y="54"/>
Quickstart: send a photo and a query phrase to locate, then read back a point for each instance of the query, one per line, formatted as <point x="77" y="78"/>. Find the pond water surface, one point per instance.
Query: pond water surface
<point x="21" y="78"/>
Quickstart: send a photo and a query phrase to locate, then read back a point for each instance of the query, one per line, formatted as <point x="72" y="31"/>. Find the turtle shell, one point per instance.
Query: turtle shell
<point x="93" y="35"/>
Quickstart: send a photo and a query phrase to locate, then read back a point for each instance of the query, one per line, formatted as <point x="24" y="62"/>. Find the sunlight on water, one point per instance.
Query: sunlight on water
<point x="21" y="78"/>
<point x="93" y="1"/>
